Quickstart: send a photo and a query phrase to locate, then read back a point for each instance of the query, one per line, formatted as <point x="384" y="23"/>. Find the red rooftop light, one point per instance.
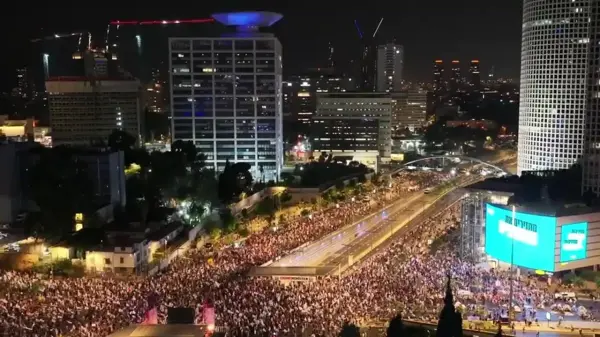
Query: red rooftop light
<point x="160" y="22"/>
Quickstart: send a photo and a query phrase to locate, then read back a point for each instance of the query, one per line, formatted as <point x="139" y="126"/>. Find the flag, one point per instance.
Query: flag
<point x="151" y="316"/>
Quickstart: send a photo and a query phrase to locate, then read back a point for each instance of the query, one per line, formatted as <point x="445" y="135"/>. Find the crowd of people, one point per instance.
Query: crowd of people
<point x="402" y="277"/>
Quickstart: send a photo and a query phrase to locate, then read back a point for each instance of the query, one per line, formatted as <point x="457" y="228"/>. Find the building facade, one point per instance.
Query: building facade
<point x="474" y="73"/>
<point x="85" y="110"/>
<point x="390" y="67"/>
<point x="558" y="67"/>
<point x="354" y="124"/>
<point x="438" y="76"/>
<point x="226" y="97"/>
<point x="455" y="75"/>
<point x="368" y="64"/>
<point x="591" y="160"/>
<point x="409" y="110"/>
<point x="300" y="93"/>
<point x="105" y="170"/>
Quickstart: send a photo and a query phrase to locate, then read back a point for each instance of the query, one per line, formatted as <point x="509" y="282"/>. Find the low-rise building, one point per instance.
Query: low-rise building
<point x="121" y="252"/>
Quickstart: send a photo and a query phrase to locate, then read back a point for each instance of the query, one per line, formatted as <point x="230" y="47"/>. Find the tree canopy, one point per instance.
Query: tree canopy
<point x="120" y="140"/>
<point x="235" y="179"/>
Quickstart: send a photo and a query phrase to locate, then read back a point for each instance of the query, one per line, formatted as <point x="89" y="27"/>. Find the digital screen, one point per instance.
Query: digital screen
<point x="573" y="241"/>
<point x="528" y="238"/>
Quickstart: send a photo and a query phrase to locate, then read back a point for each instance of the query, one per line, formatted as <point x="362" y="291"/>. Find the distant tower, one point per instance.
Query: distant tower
<point x="438" y="75"/>
<point x="368" y="59"/>
<point x="475" y="79"/>
<point x="330" y="60"/>
<point x="390" y="65"/>
<point x="492" y="74"/>
<point x="455" y="75"/>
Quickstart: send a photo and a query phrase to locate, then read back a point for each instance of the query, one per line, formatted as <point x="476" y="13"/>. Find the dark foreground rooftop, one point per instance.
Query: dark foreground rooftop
<point x="168" y="330"/>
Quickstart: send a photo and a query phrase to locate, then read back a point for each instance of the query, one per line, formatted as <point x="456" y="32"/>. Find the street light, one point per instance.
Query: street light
<point x="512" y="258"/>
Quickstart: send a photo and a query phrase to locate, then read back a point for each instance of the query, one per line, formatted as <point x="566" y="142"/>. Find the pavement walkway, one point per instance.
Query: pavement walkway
<point x="585" y="328"/>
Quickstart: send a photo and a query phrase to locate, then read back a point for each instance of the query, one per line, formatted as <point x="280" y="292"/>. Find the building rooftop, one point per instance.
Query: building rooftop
<point x="163" y="231"/>
<point x="354" y="94"/>
<point x="251" y="19"/>
<point x="168" y="330"/>
<point x="508" y="185"/>
<point x="87" y="79"/>
<point x="540" y="204"/>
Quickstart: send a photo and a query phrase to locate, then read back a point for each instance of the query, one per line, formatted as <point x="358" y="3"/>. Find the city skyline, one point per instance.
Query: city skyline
<point x="444" y="32"/>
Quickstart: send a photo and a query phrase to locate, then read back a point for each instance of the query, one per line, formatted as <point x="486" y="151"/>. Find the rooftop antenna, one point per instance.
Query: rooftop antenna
<point x="377" y="29"/>
<point x="358" y="29"/>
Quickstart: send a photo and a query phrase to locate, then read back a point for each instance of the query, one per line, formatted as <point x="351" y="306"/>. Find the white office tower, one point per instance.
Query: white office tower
<point x="558" y="84"/>
<point x="390" y="64"/>
<point x="226" y="94"/>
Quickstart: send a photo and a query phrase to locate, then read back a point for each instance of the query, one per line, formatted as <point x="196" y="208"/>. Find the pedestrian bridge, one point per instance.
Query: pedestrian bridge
<point x="449" y="159"/>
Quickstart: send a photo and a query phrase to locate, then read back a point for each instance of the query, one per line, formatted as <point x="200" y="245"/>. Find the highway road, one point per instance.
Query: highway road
<point x="313" y="254"/>
<point x="336" y="248"/>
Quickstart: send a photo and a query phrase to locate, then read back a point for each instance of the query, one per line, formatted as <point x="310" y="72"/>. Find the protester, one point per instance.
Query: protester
<point x="403" y="276"/>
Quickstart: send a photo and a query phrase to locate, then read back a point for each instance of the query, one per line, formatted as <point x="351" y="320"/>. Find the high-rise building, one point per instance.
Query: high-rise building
<point x="156" y="99"/>
<point x="475" y="80"/>
<point x="438" y="75"/>
<point x="390" y="66"/>
<point x="300" y="95"/>
<point x="368" y="64"/>
<point x="591" y="160"/>
<point x="368" y="59"/>
<point x="25" y="88"/>
<point x="331" y="59"/>
<point x="354" y="124"/>
<point x="226" y="94"/>
<point x="409" y="110"/>
<point x="492" y="74"/>
<point x="305" y="99"/>
<point x="559" y="83"/>
<point x="84" y="110"/>
<point x="104" y="168"/>
<point x="455" y="78"/>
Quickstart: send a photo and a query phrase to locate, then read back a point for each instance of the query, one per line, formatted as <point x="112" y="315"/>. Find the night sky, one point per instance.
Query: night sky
<point x="487" y="30"/>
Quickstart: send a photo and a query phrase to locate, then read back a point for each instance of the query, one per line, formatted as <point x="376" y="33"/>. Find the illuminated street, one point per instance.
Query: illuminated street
<point x="336" y="248"/>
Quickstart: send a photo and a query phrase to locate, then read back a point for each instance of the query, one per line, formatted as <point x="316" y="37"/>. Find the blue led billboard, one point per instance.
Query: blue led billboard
<point x="533" y="236"/>
<point x="573" y="241"/>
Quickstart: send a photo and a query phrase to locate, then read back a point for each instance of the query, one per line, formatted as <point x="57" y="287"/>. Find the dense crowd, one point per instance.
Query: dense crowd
<point x="398" y="277"/>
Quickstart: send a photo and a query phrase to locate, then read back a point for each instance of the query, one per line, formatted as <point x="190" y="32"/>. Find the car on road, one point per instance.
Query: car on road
<point x="427" y="190"/>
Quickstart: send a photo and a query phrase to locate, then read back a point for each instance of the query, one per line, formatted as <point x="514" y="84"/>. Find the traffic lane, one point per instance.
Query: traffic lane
<point x="328" y="247"/>
<point x="440" y="205"/>
<point x="365" y="242"/>
<point x="358" y="234"/>
<point x="322" y="249"/>
<point x="334" y="241"/>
